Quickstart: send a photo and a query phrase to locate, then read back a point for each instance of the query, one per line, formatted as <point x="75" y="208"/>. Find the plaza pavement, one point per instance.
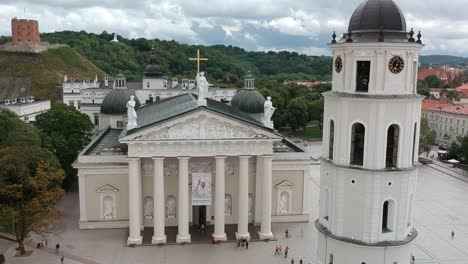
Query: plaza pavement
<point x="441" y="206"/>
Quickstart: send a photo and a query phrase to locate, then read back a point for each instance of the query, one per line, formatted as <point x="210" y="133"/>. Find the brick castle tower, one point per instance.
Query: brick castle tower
<point x="25" y="32"/>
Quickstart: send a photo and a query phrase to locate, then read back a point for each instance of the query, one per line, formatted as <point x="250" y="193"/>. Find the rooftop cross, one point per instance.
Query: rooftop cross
<point x="198" y="59"/>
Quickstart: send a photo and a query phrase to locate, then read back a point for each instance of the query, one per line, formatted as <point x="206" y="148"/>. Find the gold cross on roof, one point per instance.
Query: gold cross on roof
<point x="198" y="59"/>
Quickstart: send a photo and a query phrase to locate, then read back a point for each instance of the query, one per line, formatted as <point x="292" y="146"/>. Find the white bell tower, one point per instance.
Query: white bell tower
<point x="370" y="142"/>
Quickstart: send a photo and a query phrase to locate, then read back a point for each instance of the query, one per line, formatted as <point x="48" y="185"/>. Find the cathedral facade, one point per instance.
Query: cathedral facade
<point x="187" y="162"/>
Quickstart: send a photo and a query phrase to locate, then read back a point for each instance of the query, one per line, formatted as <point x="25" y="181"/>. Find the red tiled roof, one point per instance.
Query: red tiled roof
<point x="454" y="109"/>
<point x="432" y="104"/>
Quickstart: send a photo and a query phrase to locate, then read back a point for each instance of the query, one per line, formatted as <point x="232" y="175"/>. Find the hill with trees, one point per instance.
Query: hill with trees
<point x="45" y="70"/>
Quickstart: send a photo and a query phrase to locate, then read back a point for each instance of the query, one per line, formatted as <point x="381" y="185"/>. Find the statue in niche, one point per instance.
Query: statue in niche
<point x="171" y="207"/>
<point x="284" y="203"/>
<point x="250" y="204"/>
<point x="108" y="205"/>
<point x="228" y="205"/>
<point x="229" y="168"/>
<point x="131" y="113"/>
<point x="148" y="212"/>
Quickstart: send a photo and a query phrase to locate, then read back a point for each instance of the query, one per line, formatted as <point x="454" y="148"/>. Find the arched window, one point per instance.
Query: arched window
<point x="331" y="140"/>
<point x="326" y="204"/>
<point x="357" y="144"/>
<point x="414" y="141"/>
<point x="388" y="214"/>
<point x="392" y="146"/>
<point x="331" y="259"/>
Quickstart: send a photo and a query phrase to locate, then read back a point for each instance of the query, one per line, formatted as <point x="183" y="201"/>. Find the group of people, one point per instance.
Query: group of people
<point x="243" y="242"/>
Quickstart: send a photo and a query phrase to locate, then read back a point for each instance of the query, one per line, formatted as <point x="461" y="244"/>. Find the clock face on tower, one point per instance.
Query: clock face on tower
<point x="338" y="64"/>
<point x="396" y="64"/>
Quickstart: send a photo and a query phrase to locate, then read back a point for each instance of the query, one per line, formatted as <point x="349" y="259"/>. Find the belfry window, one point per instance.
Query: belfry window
<point x="357" y="144"/>
<point x="392" y="146"/>
<point x="331" y="140"/>
<point x="363" y="76"/>
<point x="388" y="213"/>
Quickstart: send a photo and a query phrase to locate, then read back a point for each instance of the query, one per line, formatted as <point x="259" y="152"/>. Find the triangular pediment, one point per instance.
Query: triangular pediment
<point x="284" y="184"/>
<point x="107" y="188"/>
<point x="201" y="125"/>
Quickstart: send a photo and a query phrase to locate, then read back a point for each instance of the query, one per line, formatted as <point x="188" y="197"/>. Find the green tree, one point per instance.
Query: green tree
<point x="433" y="81"/>
<point x="424" y="91"/>
<point x="66" y="132"/>
<point x="454" y="95"/>
<point x="14" y="132"/>
<point x="427" y="137"/>
<point x="297" y="113"/>
<point x="30" y="187"/>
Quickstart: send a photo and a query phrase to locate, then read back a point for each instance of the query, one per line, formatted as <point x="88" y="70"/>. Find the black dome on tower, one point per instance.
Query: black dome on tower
<point x="377" y="15"/>
<point x="377" y="21"/>
<point x="153" y="70"/>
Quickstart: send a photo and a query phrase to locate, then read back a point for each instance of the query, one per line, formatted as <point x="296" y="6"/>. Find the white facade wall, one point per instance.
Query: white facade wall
<point x="448" y="126"/>
<point x="28" y="111"/>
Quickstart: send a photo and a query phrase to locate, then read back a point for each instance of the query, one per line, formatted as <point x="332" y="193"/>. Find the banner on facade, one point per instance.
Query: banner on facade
<point x="201" y="188"/>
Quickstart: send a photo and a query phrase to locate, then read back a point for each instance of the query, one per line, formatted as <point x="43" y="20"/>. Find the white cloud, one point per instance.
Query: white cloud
<point x="229" y="30"/>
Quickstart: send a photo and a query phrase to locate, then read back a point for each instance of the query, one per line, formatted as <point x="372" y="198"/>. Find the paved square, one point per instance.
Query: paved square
<point x="441" y="206"/>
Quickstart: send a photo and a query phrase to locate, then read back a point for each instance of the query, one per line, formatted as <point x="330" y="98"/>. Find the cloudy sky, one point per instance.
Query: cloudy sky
<point x="298" y="25"/>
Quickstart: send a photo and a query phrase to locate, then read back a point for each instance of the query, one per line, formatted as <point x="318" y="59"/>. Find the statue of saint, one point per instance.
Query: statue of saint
<point x="171" y="207"/>
<point x="108" y="205"/>
<point x="131" y="113"/>
<point x="284" y="203"/>
<point x="148" y="207"/>
<point x="268" y="112"/>
<point x="202" y="85"/>
<point x="227" y="205"/>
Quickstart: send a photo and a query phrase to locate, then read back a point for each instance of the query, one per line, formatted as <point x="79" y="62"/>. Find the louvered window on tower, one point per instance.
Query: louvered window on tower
<point x="363" y="76"/>
<point x="392" y="146"/>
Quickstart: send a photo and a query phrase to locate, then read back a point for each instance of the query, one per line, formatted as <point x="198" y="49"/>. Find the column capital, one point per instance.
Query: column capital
<point x="158" y="158"/>
<point x="244" y="157"/>
<point x="183" y="158"/>
<point x="267" y="156"/>
<point x="133" y="159"/>
<point x="220" y="157"/>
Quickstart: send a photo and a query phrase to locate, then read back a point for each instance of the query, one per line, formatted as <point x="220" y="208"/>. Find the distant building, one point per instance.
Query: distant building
<point x="307" y="84"/>
<point x="87" y="95"/>
<point x="26" y="107"/>
<point x="447" y="74"/>
<point x="25" y="32"/>
<point x="449" y="121"/>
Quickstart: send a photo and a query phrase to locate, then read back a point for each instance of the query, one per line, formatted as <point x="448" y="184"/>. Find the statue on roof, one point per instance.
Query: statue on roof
<point x="202" y="85"/>
<point x="131" y="114"/>
<point x="268" y="112"/>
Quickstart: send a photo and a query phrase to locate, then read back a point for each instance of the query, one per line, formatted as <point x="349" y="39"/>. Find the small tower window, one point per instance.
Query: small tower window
<point x="357" y="144"/>
<point x="363" y="76"/>
<point x="392" y="146"/>
<point x="331" y="140"/>
<point x="388" y="213"/>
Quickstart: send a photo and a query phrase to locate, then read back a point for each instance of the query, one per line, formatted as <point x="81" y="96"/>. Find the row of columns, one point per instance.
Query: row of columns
<point x="135" y="213"/>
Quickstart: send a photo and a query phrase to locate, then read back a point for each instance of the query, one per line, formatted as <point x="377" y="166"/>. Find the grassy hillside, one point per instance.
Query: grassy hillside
<point x="46" y="70"/>
<point x="443" y="59"/>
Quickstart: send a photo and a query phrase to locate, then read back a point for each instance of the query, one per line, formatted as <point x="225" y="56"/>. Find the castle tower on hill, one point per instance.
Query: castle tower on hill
<point x="25" y="32"/>
<point x="371" y="134"/>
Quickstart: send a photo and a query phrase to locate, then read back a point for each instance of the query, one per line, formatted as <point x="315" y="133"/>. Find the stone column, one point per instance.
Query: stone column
<point x="265" y="231"/>
<point x="183" y="208"/>
<point x="134" y="193"/>
<point x="243" y="213"/>
<point x="219" y="233"/>
<point x="159" y="214"/>
<point x="82" y="190"/>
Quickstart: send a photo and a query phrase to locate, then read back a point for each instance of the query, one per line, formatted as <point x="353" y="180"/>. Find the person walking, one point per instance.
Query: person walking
<point x="300" y="261"/>
<point x="62" y="259"/>
<point x="286" y="233"/>
<point x="276" y="251"/>
<point x="292" y="261"/>
<point x="57" y="247"/>
<point x="453" y="234"/>
<point x="286" y="251"/>
<point x="246" y="244"/>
